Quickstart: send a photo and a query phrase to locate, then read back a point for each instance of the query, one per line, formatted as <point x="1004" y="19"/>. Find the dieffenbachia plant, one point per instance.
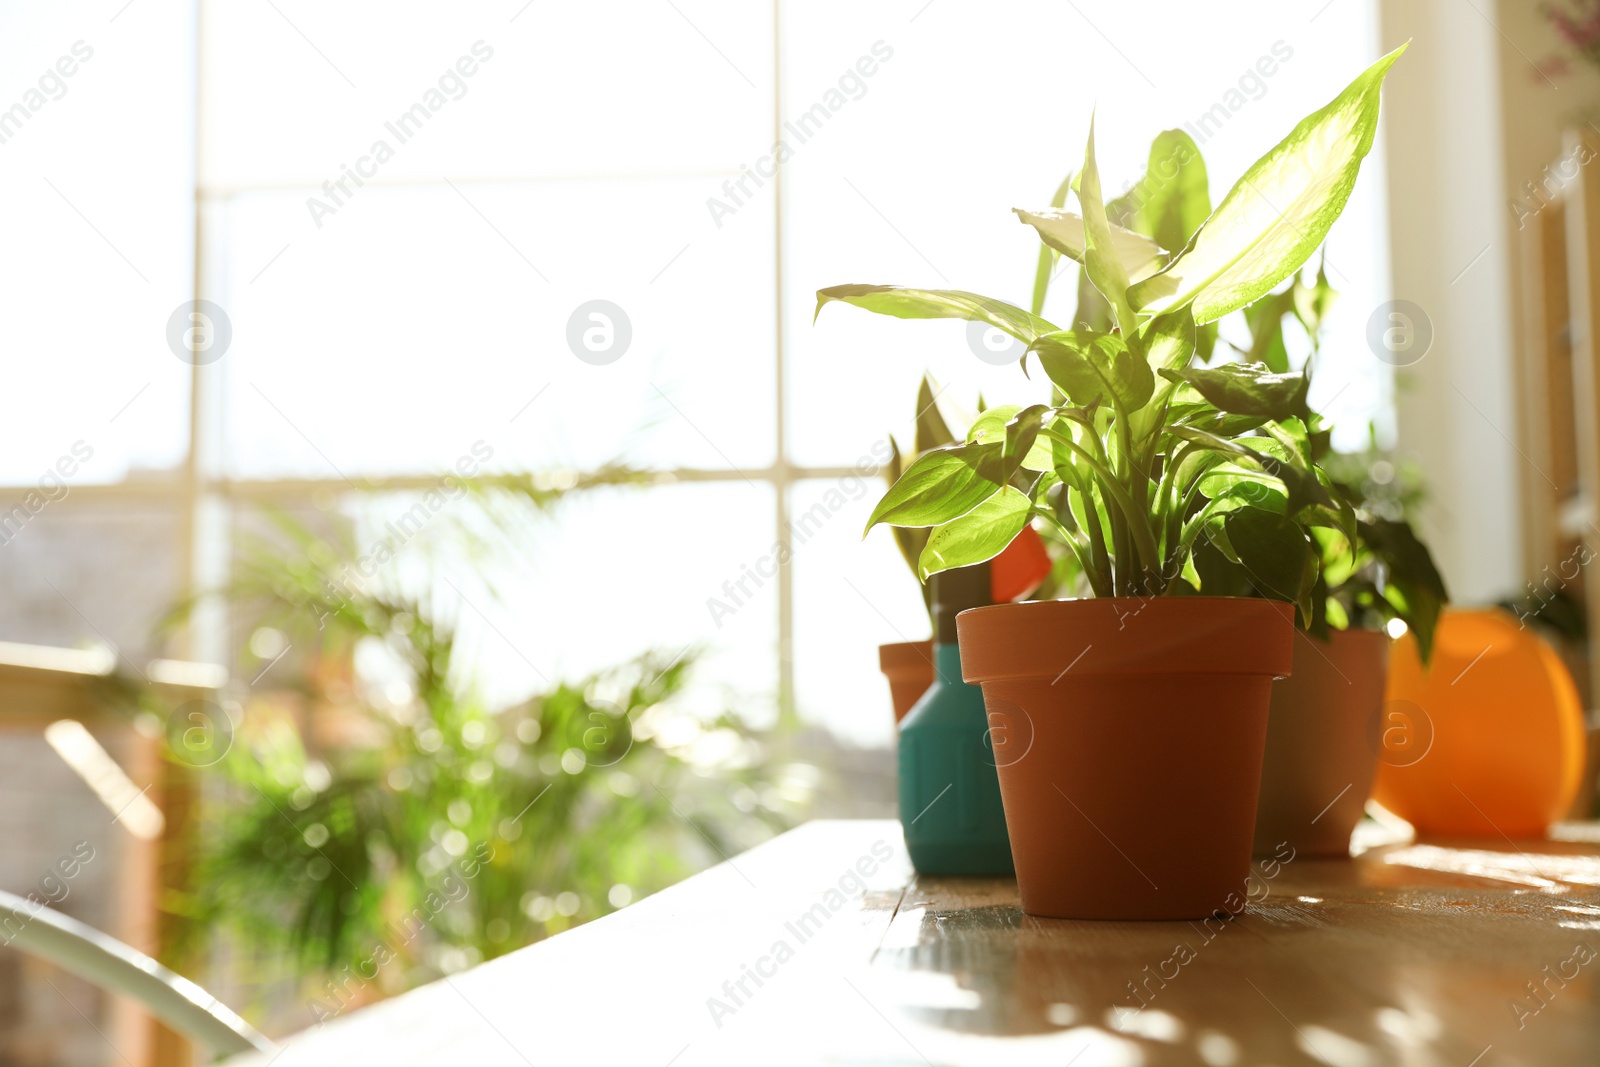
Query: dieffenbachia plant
<point x="1384" y="571"/>
<point x="1142" y="455"/>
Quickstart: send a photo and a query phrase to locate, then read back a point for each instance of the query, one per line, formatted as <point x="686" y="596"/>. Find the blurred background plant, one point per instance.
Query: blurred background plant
<point x="376" y="823"/>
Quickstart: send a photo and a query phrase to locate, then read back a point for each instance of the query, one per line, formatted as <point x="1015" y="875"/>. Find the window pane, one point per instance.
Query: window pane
<point x="99" y="237"/>
<point x="850" y="597"/>
<point x="626" y="87"/>
<point x="420" y="319"/>
<point x="610" y="574"/>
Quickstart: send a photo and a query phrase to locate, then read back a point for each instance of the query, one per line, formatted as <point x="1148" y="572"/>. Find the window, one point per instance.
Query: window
<point x="405" y="211"/>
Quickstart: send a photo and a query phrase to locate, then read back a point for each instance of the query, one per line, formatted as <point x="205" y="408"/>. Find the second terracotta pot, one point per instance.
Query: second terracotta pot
<point x="1322" y="744"/>
<point x="909" y="668"/>
<point x="1128" y="734"/>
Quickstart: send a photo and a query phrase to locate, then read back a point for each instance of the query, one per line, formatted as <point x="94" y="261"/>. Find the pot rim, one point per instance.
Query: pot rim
<point x="1355" y="633"/>
<point x="1188" y="635"/>
<point x="900" y="654"/>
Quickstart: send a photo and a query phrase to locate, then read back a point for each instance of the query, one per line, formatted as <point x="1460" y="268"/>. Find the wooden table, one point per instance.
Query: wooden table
<point x="1414" y="954"/>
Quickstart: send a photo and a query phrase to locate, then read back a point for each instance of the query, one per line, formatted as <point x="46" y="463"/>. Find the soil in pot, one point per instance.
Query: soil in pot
<point x="1322" y="744"/>
<point x="1128" y="734"/>
<point x="909" y="667"/>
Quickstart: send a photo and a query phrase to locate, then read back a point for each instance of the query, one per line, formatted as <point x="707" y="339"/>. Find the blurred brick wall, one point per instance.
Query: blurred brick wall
<point x="79" y="573"/>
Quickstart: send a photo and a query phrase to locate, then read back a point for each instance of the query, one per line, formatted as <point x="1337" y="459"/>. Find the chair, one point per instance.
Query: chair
<point x="113" y="966"/>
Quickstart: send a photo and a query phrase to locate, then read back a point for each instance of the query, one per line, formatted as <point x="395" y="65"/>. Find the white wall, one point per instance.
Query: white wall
<point x="1446" y="110"/>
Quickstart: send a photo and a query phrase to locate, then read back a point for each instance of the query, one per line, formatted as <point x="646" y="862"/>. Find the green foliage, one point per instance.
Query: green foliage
<point x="1007" y="445"/>
<point x="418" y="833"/>
<point x="1383" y="571"/>
<point x="1248" y="389"/>
<point x="942" y="485"/>
<point x="1090" y="368"/>
<point x="1277" y="214"/>
<point x="1171" y="202"/>
<point x="1047" y="255"/>
<point x="1373" y="567"/>
<point x="1116" y="466"/>
<point x="988" y="529"/>
<point x="905" y="303"/>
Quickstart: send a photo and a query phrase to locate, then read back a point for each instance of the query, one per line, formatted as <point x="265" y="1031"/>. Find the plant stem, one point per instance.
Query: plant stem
<point x="1101" y="577"/>
<point x="1096" y="580"/>
<point x="1138" y="520"/>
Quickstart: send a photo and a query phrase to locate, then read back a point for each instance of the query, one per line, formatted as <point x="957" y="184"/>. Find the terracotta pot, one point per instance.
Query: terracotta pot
<point x="1322" y="744"/>
<point x="1488" y="740"/>
<point x="1128" y="734"/>
<point x="909" y="668"/>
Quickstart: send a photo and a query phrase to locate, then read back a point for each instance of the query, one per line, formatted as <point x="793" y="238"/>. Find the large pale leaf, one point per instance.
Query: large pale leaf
<point x="1279" y="212"/>
<point x="981" y="534"/>
<point x="1173" y="198"/>
<point x="1090" y="367"/>
<point x="1247" y="389"/>
<point x="1100" y="259"/>
<point x="905" y="303"/>
<point x="1169" y="341"/>
<point x="1047" y="453"/>
<point x="1047" y="252"/>
<point x="1064" y="232"/>
<point x="1041" y="456"/>
<point x="942" y="485"/>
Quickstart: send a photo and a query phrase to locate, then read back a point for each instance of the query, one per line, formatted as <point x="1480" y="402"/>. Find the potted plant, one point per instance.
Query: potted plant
<point x="1325" y="721"/>
<point x="1016" y="572"/>
<point x="1128" y="727"/>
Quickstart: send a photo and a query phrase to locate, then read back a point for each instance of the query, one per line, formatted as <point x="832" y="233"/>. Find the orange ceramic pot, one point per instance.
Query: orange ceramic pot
<point x="1320" y="757"/>
<point x="909" y="668"/>
<point x="1490" y="741"/>
<point x="1128" y="735"/>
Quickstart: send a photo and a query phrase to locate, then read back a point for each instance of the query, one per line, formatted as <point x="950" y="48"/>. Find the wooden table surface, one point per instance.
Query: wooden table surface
<point x="1467" y="954"/>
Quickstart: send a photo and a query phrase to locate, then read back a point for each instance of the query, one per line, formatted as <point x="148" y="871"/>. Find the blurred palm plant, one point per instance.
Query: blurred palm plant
<point x="436" y="831"/>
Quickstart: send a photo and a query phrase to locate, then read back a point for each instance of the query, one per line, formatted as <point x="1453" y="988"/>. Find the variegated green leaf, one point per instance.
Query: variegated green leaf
<point x="1089" y="367"/>
<point x="942" y="485"/>
<point x="905" y="303"/>
<point x="1279" y="212"/>
<point x="981" y="534"/>
<point x="1064" y="232"/>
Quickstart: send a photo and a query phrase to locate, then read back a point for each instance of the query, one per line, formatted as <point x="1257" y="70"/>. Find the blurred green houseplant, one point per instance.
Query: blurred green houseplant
<point x="440" y="831"/>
